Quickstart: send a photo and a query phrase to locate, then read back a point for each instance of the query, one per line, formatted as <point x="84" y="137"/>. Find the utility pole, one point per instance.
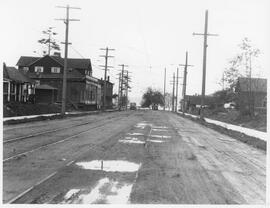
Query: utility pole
<point x="177" y="77"/>
<point x="205" y="34"/>
<point x="121" y="88"/>
<point x="127" y="91"/>
<point x="106" y="56"/>
<point x="173" y="92"/>
<point x="186" y="65"/>
<point x="164" y="88"/>
<point x="66" y="21"/>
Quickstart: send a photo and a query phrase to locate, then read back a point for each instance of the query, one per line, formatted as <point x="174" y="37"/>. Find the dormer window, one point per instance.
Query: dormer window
<point x="39" y="69"/>
<point x="55" y="69"/>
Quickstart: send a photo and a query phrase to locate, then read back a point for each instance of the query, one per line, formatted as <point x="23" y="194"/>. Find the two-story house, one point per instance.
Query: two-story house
<point x="47" y="71"/>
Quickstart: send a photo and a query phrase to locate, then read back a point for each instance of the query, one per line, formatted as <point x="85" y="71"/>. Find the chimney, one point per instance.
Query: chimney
<point x="108" y="78"/>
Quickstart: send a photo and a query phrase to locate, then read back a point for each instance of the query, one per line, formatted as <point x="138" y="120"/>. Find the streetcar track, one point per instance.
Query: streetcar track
<point x="44" y="132"/>
<point x="53" y="143"/>
<point x="93" y="146"/>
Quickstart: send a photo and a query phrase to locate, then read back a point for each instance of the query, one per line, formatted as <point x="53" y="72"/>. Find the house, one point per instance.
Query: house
<point x="47" y="72"/>
<point x="194" y="101"/>
<point x="16" y="86"/>
<point x="251" y="91"/>
<point x="109" y="92"/>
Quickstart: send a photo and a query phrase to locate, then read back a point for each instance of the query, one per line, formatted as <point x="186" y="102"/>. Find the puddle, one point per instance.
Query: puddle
<point x="110" y="165"/>
<point x="131" y="140"/>
<point x="107" y="191"/>
<point x="155" y="141"/>
<point x="161" y="136"/>
<point x="135" y="134"/>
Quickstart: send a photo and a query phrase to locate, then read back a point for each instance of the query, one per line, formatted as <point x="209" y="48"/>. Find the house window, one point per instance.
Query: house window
<point x="55" y="69"/>
<point x="25" y="69"/>
<point x="39" y="69"/>
<point x="5" y="87"/>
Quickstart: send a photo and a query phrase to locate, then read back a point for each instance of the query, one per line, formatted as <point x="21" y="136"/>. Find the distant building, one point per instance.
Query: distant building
<point x="251" y="91"/>
<point x="109" y="92"/>
<point x="194" y="101"/>
<point x="47" y="72"/>
<point x="16" y="86"/>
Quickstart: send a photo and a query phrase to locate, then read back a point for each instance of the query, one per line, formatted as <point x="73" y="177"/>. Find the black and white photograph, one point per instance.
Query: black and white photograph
<point x="135" y="102"/>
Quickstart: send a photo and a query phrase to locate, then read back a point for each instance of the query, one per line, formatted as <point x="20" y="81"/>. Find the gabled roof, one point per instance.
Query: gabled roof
<point x="254" y="84"/>
<point x="26" y="60"/>
<point x="72" y="62"/>
<point x="13" y="74"/>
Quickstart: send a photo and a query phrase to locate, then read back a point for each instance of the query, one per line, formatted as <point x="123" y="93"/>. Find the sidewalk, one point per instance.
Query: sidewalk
<point x="250" y="132"/>
<point x="17" y="118"/>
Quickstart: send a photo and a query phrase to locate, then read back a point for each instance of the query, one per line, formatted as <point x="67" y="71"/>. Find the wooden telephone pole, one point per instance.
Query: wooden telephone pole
<point x="173" y="92"/>
<point x="106" y="56"/>
<point x="120" y="104"/>
<point x="205" y="35"/>
<point x="66" y="21"/>
<point x="186" y="65"/>
<point x="164" y="94"/>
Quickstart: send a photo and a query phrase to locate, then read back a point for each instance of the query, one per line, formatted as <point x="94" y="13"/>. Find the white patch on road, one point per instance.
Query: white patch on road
<point x="155" y="141"/>
<point x="159" y="129"/>
<point x="135" y="134"/>
<point x="161" y="136"/>
<point x="71" y="193"/>
<point x="131" y="140"/>
<point x="107" y="191"/>
<point x="110" y="165"/>
<point x="142" y="125"/>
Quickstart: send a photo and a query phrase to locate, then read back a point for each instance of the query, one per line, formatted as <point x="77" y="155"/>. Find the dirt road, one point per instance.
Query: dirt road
<point x="129" y="157"/>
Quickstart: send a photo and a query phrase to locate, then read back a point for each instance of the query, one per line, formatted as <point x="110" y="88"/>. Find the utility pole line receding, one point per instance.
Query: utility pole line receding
<point x="105" y="75"/>
<point x="121" y="88"/>
<point x="164" y="88"/>
<point x="66" y="21"/>
<point x="205" y="34"/>
<point x="177" y="77"/>
<point x="186" y="65"/>
<point x="173" y="92"/>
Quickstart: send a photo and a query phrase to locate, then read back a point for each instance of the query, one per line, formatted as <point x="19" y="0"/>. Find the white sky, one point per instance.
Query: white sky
<point x="143" y="33"/>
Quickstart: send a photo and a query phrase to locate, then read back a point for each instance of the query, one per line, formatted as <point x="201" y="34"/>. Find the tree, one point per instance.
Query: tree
<point x="168" y="100"/>
<point x="152" y="96"/>
<point x="49" y="41"/>
<point x="240" y="65"/>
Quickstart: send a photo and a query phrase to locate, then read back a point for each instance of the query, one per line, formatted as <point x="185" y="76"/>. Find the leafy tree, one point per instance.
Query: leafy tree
<point x="49" y="41"/>
<point x="168" y="100"/>
<point x="152" y="96"/>
<point x="241" y="64"/>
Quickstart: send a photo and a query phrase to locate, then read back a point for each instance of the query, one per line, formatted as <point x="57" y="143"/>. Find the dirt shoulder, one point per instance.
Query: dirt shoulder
<point x="253" y="141"/>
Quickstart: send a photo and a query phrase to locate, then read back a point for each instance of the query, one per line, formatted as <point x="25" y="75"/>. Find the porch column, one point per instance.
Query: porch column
<point x="20" y="92"/>
<point x="15" y="92"/>
<point x="8" y="98"/>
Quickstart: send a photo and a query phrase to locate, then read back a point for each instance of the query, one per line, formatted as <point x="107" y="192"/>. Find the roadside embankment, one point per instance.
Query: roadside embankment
<point x="252" y="137"/>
